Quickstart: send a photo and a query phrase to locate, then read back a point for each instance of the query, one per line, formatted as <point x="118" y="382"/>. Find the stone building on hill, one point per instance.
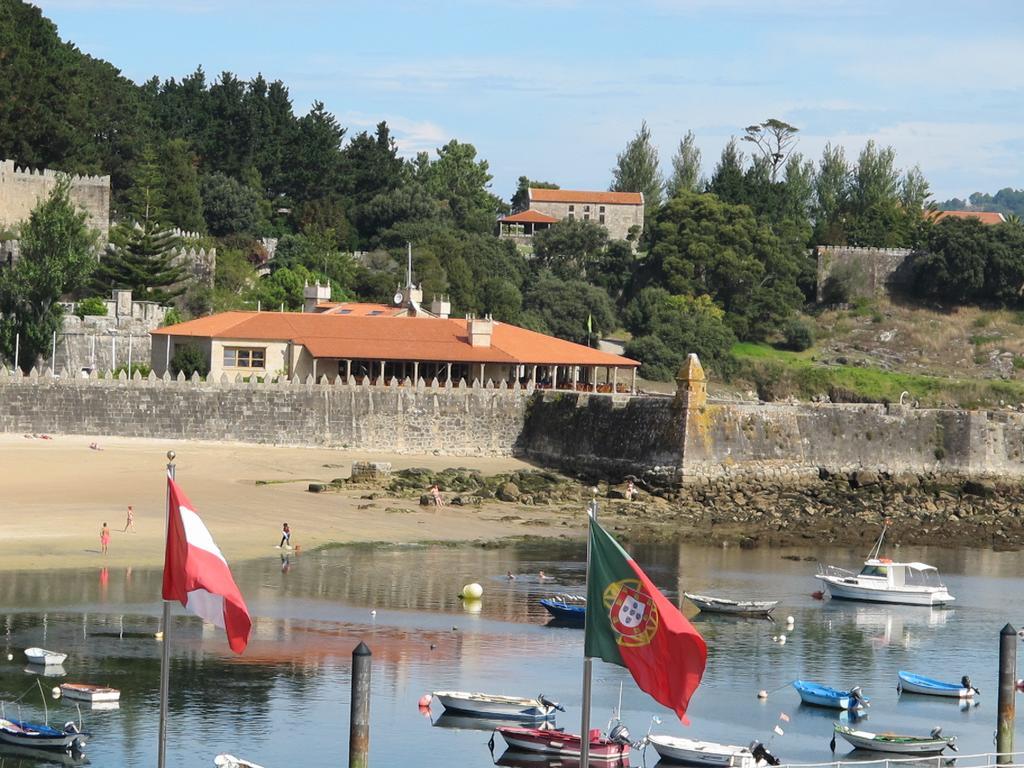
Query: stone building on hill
<point x="21" y="189"/>
<point x="621" y="213"/>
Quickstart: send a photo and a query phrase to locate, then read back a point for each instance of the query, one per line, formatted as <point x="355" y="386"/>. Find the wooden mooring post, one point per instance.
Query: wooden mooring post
<point x="359" y="715"/>
<point x="1006" y="709"/>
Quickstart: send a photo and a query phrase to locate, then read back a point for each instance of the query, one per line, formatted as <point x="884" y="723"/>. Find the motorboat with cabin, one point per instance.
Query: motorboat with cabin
<point x="882" y="580"/>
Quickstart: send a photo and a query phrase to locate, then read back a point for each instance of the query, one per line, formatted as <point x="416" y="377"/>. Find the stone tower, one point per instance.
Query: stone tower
<point x="691" y="384"/>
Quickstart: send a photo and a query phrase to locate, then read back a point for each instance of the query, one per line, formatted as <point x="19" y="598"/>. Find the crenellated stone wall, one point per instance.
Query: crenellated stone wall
<point x="21" y="189"/>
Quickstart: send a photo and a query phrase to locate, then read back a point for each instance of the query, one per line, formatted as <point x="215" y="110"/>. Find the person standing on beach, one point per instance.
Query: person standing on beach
<point x="286" y="536"/>
<point x="104" y="539"/>
<point x="130" y="522"/>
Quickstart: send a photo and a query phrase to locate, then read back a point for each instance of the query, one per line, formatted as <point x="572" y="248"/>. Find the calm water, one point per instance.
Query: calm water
<point x="285" y="702"/>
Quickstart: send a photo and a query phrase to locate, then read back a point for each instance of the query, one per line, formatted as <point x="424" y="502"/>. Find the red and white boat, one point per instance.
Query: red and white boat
<point x="91" y="693"/>
<point x="603" y="749"/>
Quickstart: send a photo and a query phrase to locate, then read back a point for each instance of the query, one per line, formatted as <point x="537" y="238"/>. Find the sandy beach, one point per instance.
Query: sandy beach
<point x="56" y="494"/>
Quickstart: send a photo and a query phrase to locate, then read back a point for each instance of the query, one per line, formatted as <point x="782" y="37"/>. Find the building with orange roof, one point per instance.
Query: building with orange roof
<point x="356" y="342"/>
<point x="621" y="213"/>
<point x="985" y="217"/>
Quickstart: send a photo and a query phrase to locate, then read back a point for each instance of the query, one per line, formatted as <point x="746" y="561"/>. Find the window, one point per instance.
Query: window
<point x="344" y="311"/>
<point x="586" y="217"/>
<point x="874" y="570"/>
<point x="572" y="216"/>
<point x="586" y="209"/>
<point x="600" y="209"/>
<point x="373" y="312"/>
<point x="572" y="208"/>
<point x="600" y="218"/>
<point x="244" y="357"/>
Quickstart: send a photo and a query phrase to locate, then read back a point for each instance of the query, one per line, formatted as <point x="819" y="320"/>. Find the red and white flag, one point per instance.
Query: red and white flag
<point x="197" y="575"/>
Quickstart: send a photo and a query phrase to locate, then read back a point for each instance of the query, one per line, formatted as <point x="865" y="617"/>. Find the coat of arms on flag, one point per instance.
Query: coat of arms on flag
<point x="633" y="614"/>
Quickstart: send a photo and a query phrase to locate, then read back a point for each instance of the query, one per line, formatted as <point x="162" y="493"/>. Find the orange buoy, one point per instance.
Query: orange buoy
<point x="425" y="700"/>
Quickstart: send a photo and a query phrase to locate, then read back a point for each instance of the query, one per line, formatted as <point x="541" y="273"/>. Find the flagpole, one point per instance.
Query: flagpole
<point x="165" y="652"/>
<point x="588" y="663"/>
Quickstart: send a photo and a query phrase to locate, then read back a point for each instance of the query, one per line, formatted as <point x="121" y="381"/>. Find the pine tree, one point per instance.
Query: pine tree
<point x="141" y="256"/>
<point x="636" y="169"/>
<point x="685" y="167"/>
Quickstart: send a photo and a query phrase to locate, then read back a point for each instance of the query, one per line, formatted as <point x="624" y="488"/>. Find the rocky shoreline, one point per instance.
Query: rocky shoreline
<point x="828" y="508"/>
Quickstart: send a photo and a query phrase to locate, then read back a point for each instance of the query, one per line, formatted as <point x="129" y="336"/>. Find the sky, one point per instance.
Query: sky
<point x="554" y="89"/>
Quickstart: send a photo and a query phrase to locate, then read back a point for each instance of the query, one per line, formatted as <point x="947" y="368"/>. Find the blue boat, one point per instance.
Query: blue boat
<point x="567" y="610"/>
<point x="911" y="683"/>
<point x="824" y="696"/>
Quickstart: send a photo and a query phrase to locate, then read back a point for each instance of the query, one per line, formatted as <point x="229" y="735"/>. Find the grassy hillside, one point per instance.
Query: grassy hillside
<point x="873" y="352"/>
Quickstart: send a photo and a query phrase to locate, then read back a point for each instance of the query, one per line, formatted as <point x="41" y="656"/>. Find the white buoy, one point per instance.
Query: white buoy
<point x="775" y="638"/>
<point x="10" y="657"/>
<point x="790" y="620"/>
<point x="762" y="694"/>
<point x="373" y="612"/>
<point x="782" y="639"/>
<point x="472" y="591"/>
<point x="55" y="692"/>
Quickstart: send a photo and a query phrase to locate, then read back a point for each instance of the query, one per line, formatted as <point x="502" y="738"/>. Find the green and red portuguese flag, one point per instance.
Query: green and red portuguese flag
<point x="630" y="623"/>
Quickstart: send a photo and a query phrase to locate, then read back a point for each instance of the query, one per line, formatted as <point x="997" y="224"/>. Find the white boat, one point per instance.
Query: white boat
<point x="723" y="605"/>
<point x="22" y="733"/>
<point x="503" y="707"/>
<point x="230" y="761"/>
<point x="44" y="657"/>
<point x="675" y="749"/>
<point x="933" y="744"/>
<point x="91" y="693"/>
<point x="927" y="686"/>
<point x="883" y="581"/>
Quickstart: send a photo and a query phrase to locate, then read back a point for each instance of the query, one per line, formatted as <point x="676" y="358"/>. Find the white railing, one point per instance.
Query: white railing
<point x="981" y="760"/>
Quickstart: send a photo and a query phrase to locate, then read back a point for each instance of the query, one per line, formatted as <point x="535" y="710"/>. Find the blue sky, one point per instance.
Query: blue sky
<point x="553" y="89"/>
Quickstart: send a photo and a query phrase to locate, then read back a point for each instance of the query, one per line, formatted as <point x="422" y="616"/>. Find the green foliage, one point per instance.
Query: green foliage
<point x="502" y="299"/>
<point x="569" y="248"/>
<point x="318" y="253"/>
<point x="521" y="199"/>
<point x="189" y="359"/>
<point x="142" y="369"/>
<point x="636" y="169"/>
<point x="685" y="168"/>
<point x="56" y="258"/>
<point x="563" y="307"/>
<point x="183" y="203"/>
<point x="91" y="305"/>
<point x="140" y="257"/>
<point x="666" y="328"/>
<point x="229" y="207"/>
<point x="799" y="335"/>
<point x="461" y="182"/>
<point x="701" y="245"/>
<point x="172" y="316"/>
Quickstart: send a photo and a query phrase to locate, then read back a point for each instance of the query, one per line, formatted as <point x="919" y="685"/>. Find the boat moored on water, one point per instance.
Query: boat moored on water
<point x="569" y="610"/>
<point x="933" y="744"/>
<point x="496" y="706"/>
<point x="674" y="749"/>
<point x="927" y="686"/>
<point x="833" y="698"/>
<point x="45" y="658"/>
<point x="881" y="580"/>
<point x="22" y="733"/>
<point x="711" y="604"/>
<point x="603" y="749"/>
<point x="94" y="694"/>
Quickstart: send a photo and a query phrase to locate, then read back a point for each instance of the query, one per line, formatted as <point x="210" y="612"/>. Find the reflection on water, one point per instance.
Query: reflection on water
<point x="310" y="611"/>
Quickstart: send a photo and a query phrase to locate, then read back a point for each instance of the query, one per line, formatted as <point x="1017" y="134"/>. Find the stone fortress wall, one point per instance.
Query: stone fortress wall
<point x="22" y="188"/>
<point x="666" y="442"/>
<point x="868" y="272"/>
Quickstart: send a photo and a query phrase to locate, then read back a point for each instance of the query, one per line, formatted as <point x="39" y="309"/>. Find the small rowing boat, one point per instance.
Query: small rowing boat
<point x="21" y="733"/>
<point x="603" y="749"/>
<point x="44" y="657"/>
<point x="824" y="696"/>
<point x="91" y="693"/>
<point x="708" y="754"/>
<point x="933" y="744"/>
<point x="230" y="761"/>
<point x="568" y="610"/>
<point x="502" y="707"/>
<point x="711" y="604"/>
<point x="911" y="683"/>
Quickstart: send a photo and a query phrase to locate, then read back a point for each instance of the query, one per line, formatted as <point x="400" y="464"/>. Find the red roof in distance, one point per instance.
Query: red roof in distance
<point x="579" y="196"/>
<point x="985" y="217"/>
<point x="528" y="217"/>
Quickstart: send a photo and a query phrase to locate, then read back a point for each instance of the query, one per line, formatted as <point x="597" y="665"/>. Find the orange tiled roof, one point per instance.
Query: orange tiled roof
<point x="985" y="217"/>
<point x="424" y="339"/>
<point x="357" y="309"/>
<point x="528" y="217"/>
<point x="577" y="196"/>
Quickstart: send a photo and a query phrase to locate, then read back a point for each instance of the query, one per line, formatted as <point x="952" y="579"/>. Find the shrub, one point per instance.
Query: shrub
<point x="799" y="335"/>
<point x="189" y="359"/>
<point x="172" y="317"/>
<point x="143" y="370"/>
<point x="93" y="306"/>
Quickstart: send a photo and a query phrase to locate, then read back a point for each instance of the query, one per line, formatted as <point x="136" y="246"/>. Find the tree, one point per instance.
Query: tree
<point x="701" y="245"/>
<point x="564" y="306"/>
<point x="372" y="164"/>
<point x="831" y="197"/>
<point x="502" y="299"/>
<point x="775" y="140"/>
<point x="569" y="248"/>
<point x="686" y="175"/>
<point x="462" y="181"/>
<point x="666" y="328"/>
<point x="727" y="180"/>
<point x="57" y="255"/>
<point x="521" y="198"/>
<point x="636" y="169"/>
<point x="229" y="206"/>
<point x="183" y="202"/>
<point x="142" y="257"/>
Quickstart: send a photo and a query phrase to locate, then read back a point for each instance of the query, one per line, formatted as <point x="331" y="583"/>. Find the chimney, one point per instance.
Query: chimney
<point x="314" y="295"/>
<point x="441" y="307"/>
<point x="480" y="330"/>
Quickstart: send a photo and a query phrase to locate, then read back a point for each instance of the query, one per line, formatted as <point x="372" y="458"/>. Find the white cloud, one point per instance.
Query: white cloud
<point x="412" y="136"/>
